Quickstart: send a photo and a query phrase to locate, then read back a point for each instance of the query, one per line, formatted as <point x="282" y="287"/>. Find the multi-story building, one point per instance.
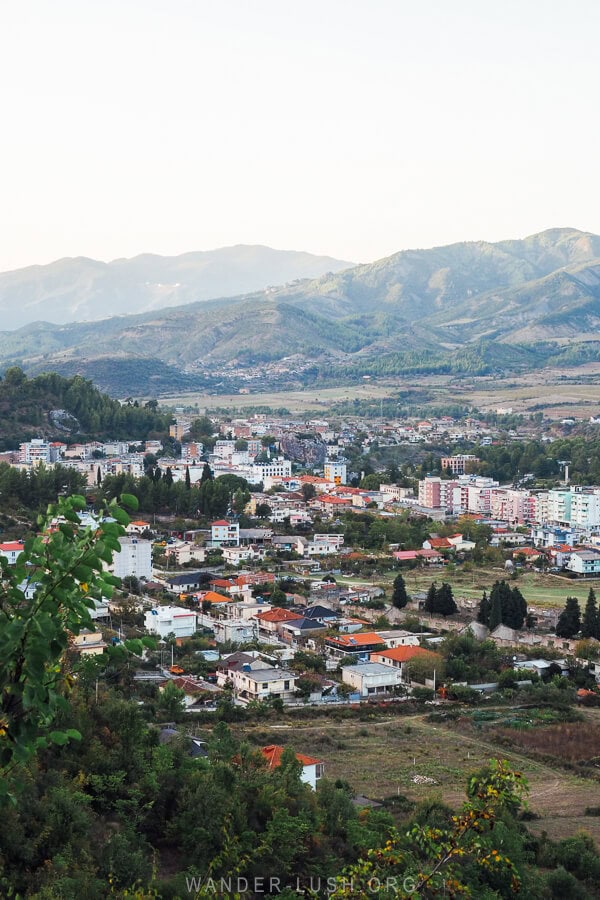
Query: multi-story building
<point x="437" y="493"/>
<point x="34" y="452"/>
<point x="334" y="471"/>
<point x="224" y="532"/>
<point x="263" y="684"/>
<point x="456" y="464"/>
<point x="576" y="506"/>
<point x="135" y="558"/>
<point x="275" y="467"/>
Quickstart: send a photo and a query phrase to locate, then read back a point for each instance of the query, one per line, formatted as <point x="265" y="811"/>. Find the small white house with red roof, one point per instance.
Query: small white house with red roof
<point x="312" y="768"/>
<point x="11" y="550"/>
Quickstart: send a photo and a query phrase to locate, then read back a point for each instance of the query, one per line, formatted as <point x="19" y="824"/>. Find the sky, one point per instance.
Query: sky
<point x="354" y="128"/>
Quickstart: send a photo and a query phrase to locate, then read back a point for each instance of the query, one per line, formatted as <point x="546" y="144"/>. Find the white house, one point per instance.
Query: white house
<point x="584" y="562"/>
<point x="371" y="678"/>
<point x="312" y="768"/>
<point x="135" y="558"/>
<point x="11" y="550"/>
<point x="175" y="620"/>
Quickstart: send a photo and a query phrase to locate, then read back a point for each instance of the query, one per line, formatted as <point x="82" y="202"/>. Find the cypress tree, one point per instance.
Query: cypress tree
<point x="569" y="621"/>
<point x="445" y="601"/>
<point x="399" y="596"/>
<point x="430" y="600"/>
<point x="483" y="613"/>
<point x="188" y="480"/>
<point x="590" y="626"/>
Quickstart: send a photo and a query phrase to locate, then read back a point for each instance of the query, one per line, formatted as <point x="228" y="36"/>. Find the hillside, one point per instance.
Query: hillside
<point x="466" y="307"/>
<point x="82" y="289"/>
<point x="68" y="409"/>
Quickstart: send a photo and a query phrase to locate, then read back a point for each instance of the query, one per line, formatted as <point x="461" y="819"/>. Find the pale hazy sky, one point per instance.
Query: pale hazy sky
<point x="349" y="127"/>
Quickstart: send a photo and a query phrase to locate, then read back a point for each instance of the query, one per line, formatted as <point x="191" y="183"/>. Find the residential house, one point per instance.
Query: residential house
<point x="182" y="552"/>
<point x="312" y="768"/>
<point x="176" y="620"/>
<point x="11" y="550"/>
<point x="88" y="643"/>
<point x="263" y="684"/>
<point x="401" y="657"/>
<point x="372" y="678"/>
<point x="358" y="645"/>
<point x="184" y="583"/>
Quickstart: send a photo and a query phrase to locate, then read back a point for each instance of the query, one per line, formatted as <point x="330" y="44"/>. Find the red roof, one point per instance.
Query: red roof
<point x="272" y="754"/>
<point x="340" y="501"/>
<point x="213" y="597"/>
<point x="402" y="654"/>
<point x="277" y="614"/>
<point x="221" y="522"/>
<point x="436" y="543"/>
<point x="357" y="639"/>
<point x="11" y="546"/>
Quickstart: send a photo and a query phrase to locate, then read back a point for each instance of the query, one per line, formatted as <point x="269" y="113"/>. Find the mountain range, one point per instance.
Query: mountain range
<point x="81" y="289"/>
<point x="474" y="305"/>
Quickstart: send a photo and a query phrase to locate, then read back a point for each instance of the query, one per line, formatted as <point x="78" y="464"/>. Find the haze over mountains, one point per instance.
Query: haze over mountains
<point x="441" y="305"/>
<point x="81" y="289"/>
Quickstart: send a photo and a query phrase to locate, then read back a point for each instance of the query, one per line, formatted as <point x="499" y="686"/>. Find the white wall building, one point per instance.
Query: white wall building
<point x="175" y="620"/>
<point x="371" y="678"/>
<point x="135" y="558"/>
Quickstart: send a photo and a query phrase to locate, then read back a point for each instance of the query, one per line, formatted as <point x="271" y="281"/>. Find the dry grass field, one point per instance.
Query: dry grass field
<point x="556" y="392"/>
<point x="379" y="758"/>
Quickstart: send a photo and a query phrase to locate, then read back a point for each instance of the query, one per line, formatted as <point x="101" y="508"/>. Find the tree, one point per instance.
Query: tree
<point x="65" y="568"/>
<point x="430" y="600"/>
<point x="445" y="601"/>
<point x="569" y="621"/>
<point x="188" y="479"/>
<point x="431" y="860"/>
<point x="590" y="625"/>
<point x="495" y="607"/>
<point x="399" y="596"/>
<point x="308" y="492"/>
<point x="483" y="613"/>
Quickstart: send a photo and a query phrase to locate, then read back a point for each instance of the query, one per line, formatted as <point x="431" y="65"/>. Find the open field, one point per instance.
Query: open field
<point x="537" y="588"/>
<point x="556" y="392"/>
<point x="294" y="401"/>
<point x="380" y="757"/>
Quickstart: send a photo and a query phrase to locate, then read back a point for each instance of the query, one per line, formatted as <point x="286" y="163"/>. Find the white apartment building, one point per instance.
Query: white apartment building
<point x="224" y="532"/>
<point x="334" y="471"/>
<point x="275" y="467"/>
<point x="135" y="558"/>
<point x="577" y="506"/>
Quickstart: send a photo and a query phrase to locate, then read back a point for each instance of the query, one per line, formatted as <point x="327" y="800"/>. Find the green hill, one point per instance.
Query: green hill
<point x="69" y="409"/>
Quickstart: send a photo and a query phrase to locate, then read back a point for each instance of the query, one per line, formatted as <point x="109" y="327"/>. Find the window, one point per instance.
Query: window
<point x="286" y="685"/>
<point x="265" y="686"/>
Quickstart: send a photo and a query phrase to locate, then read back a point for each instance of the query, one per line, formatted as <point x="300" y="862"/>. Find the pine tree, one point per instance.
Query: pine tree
<point x="590" y="626"/>
<point x="399" y="596"/>
<point x="483" y="614"/>
<point x="207" y="474"/>
<point x="430" y="600"/>
<point x="569" y="621"/>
